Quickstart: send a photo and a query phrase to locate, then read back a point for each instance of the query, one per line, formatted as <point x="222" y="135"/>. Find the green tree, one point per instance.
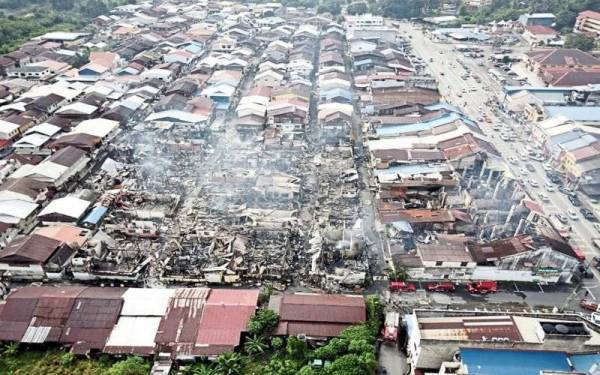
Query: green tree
<point x="10" y="350"/>
<point x="307" y="370"/>
<point x="580" y="41"/>
<point x="201" y="369"/>
<point x="276" y="343"/>
<point x="357" y="8"/>
<point x="295" y="348"/>
<point x="255" y="345"/>
<point x="353" y="364"/>
<point x="131" y="366"/>
<point x="229" y="364"/>
<point x="67" y="359"/>
<point x="375" y="313"/>
<point x="334" y="348"/>
<point x="263" y="322"/>
<point x="279" y="366"/>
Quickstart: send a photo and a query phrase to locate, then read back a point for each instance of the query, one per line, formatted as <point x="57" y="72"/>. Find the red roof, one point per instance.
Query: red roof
<point x="223" y="325"/>
<point x="245" y="297"/>
<point x="589" y="14"/>
<point x="540" y="30"/>
<point x="330" y="308"/>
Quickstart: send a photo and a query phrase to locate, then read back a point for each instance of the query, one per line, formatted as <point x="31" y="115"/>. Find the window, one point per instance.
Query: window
<point x="464" y="264"/>
<point x="439" y="263"/>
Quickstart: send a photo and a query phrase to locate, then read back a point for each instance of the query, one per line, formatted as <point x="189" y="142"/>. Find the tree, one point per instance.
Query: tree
<point x="307" y="370"/>
<point x="375" y="313"/>
<point x="67" y="359"/>
<point x="201" y="369"/>
<point x="229" y="364"/>
<point x="10" y="350"/>
<point x="580" y="41"/>
<point x="276" y="343"/>
<point x="131" y="366"/>
<point x="334" y="348"/>
<point x="353" y="364"/>
<point x="357" y="8"/>
<point x="263" y="322"/>
<point x="278" y="366"/>
<point x="296" y="348"/>
<point x="255" y="345"/>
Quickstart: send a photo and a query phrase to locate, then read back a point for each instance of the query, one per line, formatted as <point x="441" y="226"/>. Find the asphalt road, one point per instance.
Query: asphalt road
<point x="442" y="63"/>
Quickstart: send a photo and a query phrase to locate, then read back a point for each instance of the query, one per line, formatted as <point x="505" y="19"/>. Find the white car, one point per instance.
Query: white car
<point x="544" y="197"/>
<point x="572" y="215"/>
<point x="523" y="172"/>
<point x="550" y="187"/>
<point x="597" y="227"/>
<point x="513" y="160"/>
<point x="547" y="167"/>
<point x="534" y="183"/>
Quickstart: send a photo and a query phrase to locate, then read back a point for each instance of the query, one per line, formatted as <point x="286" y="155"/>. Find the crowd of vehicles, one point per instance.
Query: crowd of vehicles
<point x="476" y="287"/>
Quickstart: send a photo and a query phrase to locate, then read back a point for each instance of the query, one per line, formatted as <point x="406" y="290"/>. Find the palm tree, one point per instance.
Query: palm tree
<point x="202" y="370"/>
<point x="255" y="345"/>
<point x="11" y="349"/>
<point x="229" y="364"/>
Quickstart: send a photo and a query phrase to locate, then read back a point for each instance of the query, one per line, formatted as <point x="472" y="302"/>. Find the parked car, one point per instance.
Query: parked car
<point x="597" y="227"/>
<point x="544" y="197"/>
<point x="572" y="215"/>
<point x="562" y="218"/>
<point x="533" y="183"/>
<point x="549" y="187"/>
<point x="401" y="286"/>
<point x="574" y="200"/>
<point x="440" y="287"/>
<point x="530" y="167"/>
<point x="589" y="215"/>
<point x="566" y="191"/>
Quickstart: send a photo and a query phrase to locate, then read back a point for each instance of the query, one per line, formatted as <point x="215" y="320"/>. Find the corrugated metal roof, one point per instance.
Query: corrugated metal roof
<point x="322" y="308"/>
<point x="146" y="302"/>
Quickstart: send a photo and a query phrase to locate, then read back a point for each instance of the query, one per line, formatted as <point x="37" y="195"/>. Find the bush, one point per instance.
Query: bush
<point x="263" y="322"/>
<point x="67" y="359"/>
<point x="131" y="366"/>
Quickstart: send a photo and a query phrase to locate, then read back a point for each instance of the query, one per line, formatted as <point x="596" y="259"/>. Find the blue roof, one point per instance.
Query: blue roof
<point x="513" y="362"/>
<point x="584" y="362"/>
<point x="95" y="215"/>
<point x="420" y="126"/>
<point x="442" y="105"/>
<point x="510" y="89"/>
<point x="410" y="169"/>
<point x="402" y="226"/>
<point x="575" y="113"/>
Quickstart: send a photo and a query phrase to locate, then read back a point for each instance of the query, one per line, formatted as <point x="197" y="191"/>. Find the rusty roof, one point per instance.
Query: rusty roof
<point x="67" y="156"/>
<point x="330" y="308"/>
<point x="29" y="249"/>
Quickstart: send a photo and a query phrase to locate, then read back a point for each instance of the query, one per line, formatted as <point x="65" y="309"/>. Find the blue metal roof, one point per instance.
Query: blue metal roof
<point x="576" y="113"/>
<point x="410" y="169"/>
<point x="513" y="362"/>
<point x="584" y="362"/>
<point x="95" y="215"/>
<point x="420" y="126"/>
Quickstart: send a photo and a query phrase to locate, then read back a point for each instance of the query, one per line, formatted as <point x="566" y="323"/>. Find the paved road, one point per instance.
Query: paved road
<point x="442" y="63"/>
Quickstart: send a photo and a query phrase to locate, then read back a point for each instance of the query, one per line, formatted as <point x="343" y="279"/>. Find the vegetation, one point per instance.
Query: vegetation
<point x="565" y="11"/>
<point x="263" y="322"/>
<point x="351" y="353"/>
<point x="21" y="20"/>
<point x="580" y="41"/>
<point x="333" y="7"/>
<point x="357" y="8"/>
<point x="130" y="366"/>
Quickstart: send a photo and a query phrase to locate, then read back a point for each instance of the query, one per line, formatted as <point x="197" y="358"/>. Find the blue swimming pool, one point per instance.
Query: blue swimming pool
<point x="512" y="362"/>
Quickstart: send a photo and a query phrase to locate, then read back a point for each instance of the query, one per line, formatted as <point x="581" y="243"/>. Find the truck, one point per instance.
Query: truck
<point x="402" y="286"/>
<point x="482" y="287"/>
<point x="390" y="328"/>
<point x="444" y="286"/>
